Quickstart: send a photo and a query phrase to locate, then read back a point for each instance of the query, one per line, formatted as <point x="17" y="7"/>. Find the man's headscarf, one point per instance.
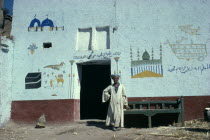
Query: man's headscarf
<point x="115" y="75"/>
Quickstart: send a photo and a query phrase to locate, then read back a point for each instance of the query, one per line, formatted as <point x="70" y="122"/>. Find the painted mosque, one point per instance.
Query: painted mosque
<point x="36" y="25"/>
<point x="147" y="67"/>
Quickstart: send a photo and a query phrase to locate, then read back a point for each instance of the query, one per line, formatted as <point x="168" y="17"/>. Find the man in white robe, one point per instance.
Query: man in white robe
<point x="118" y="99"/>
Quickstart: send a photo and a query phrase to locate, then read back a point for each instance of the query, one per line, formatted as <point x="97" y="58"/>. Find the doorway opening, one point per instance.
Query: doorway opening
<point x="94" y="79"/>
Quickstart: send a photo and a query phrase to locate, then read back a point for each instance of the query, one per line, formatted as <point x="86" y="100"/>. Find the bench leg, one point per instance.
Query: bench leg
<point x="183" y="125"/>
<point x="149" y="121"/>
<point x="179" y="118"/>
<point x="182" y="104"/>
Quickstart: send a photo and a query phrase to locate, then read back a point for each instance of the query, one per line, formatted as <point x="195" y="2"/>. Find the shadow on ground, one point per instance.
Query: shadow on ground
<point x="198" y="130"/>
<point x="98" y="124"/>
<point x="140" y="121"/>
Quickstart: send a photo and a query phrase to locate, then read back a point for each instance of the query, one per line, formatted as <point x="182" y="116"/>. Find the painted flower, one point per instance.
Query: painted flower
<point x="71" y="61"/>
<point x="117" y="58"/>
<point x="32" y="48"/>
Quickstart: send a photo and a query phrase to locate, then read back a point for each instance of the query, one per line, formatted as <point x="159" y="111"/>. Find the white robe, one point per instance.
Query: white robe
<point x="115" y="115"/>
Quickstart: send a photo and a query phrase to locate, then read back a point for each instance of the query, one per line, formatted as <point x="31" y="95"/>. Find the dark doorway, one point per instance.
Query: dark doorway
<point x="95" y="78"/>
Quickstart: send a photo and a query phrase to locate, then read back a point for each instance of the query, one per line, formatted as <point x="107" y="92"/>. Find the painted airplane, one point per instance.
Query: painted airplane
<point x="189" y="30"/>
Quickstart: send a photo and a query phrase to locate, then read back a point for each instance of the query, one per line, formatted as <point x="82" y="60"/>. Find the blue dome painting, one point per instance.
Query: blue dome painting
<point x="47" y="22"/>
<point x="34" y="21"/>
<point x="37" y="25"/>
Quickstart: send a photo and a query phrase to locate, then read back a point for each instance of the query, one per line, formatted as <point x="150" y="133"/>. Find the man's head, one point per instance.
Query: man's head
<point x="115" y="78"/>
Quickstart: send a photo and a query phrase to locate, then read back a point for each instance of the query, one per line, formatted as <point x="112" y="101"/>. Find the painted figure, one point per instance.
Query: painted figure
<point x="59" y="79"/>
<point x="118" y="99"/>
<point x="51" y="83"/>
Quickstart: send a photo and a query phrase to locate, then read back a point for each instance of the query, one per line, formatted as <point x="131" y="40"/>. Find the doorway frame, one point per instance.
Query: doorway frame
<point x="93" y="62"/>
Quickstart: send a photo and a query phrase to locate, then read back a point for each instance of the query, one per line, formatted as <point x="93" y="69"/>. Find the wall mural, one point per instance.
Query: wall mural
<point x="188" y="29"/>
<point x="32" y="48"/>
<point x="71" y="81"/>
<point x="37" y="25"/>
<point x="189" y="51"/>
<point x="33" y="80"/>
<point x="59" y="79"/>
<point x="54" y="79"/>
<point x="185" y="48"/>
<point x="187" y="69"/>
<point x="55" y="67"/>
<point x="147" y="67"/>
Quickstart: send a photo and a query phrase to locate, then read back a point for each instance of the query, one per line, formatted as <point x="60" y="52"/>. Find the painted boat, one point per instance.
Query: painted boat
<point x="189" y="51"/>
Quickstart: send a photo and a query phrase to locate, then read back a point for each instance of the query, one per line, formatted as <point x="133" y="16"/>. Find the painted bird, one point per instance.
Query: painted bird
<point x="55" y="67"/>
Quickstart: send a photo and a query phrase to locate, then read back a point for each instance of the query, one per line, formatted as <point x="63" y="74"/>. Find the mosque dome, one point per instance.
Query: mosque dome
<point x="34" y="21"/>
<point x="145" y="56"/>
<point x="47" y="22"/>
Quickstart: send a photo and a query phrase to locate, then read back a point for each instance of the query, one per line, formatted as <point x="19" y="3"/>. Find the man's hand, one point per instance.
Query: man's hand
<point x="126" y="107"/>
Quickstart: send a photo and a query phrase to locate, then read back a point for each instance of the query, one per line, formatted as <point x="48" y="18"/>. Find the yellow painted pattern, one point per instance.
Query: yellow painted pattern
<point x="147" y="74"/>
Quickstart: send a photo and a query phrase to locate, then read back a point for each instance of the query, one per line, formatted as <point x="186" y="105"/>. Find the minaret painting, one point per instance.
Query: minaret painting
<point x="131" y="53"/>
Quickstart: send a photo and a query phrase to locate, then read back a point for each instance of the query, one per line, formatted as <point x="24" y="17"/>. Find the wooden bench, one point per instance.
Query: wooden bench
<point x="150" y="108"/>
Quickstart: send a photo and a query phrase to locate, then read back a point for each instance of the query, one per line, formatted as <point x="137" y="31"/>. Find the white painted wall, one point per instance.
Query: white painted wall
<point x="6" y="60"/>
<point x="142" y="24"/>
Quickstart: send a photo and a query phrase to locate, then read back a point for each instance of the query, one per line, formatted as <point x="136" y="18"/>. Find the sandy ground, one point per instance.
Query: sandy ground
<point x="95" y="130"/>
